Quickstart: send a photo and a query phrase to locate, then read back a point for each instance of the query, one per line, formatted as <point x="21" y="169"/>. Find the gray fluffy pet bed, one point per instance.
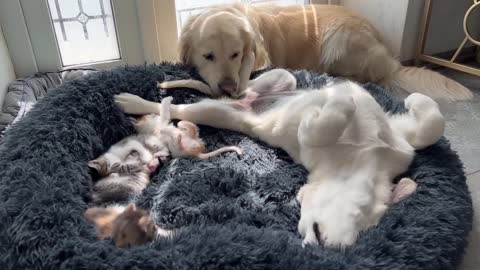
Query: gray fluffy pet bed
<point x="231" y="212"/>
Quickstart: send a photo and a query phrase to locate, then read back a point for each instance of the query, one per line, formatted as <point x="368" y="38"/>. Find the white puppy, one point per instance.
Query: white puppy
<point x="350" y="146"/>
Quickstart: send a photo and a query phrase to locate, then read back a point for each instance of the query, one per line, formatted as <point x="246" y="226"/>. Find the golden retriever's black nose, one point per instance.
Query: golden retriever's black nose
<point x="228" y="85"/>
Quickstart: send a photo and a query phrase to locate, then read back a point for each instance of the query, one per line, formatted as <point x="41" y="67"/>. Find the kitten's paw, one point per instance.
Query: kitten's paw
<point x="115" y="167"/>
<point x="135" y="168"/>
<point x="163" y="155"/>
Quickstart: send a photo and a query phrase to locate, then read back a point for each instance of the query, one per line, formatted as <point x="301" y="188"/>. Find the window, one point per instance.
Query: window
<point x="187" y="8"/>
<point x="84" y="30"/>
<point x="50" y="35"/>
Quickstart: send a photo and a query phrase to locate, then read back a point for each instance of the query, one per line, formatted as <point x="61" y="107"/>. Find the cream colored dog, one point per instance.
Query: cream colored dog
<point x="350" y="146"/>
<point x="324" y="38"/>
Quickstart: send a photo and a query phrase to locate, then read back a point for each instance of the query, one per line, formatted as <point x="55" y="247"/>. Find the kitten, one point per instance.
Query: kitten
<point x="147" y="143"/>
<point x="127" y="226"/>
<point x="184" y="139"/>
<point x="127" y="165"/>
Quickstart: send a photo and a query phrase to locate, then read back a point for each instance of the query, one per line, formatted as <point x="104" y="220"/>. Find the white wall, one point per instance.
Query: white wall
<point x="6" y="68"/>
<point x="399" y="23"/>
<point x="388" y="16"/>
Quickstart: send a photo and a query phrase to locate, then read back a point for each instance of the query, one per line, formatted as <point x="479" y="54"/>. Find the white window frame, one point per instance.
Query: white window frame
<point x="31" y="41"/>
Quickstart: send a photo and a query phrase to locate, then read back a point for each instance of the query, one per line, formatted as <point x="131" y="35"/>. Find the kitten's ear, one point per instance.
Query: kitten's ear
<point x="102" y="218"/>
<point x="95" y="164"/>
<point x="146" y="224"/>
<point x="189" y="128"/>
<point x="131" y="208"/>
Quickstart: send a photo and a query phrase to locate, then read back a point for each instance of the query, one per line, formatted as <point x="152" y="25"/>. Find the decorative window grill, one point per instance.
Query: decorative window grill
<point x="85" y="30"/>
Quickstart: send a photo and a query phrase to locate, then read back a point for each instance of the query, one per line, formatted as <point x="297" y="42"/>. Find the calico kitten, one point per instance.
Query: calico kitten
<point x="127" y="226"/>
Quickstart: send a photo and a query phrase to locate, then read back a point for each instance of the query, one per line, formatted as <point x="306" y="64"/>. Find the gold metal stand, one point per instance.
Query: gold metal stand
<point x="439" y="61"/>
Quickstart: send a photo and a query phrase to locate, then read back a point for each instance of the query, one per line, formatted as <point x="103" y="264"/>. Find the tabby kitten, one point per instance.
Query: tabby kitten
<point x="126" y="167"/>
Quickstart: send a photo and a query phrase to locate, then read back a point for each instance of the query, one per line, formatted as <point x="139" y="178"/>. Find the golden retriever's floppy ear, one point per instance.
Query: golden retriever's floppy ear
<point x="261" y="58"/>
<point x="249" y="37"/>
<point x="185" y="40"/>
<point x="254" y="43"/>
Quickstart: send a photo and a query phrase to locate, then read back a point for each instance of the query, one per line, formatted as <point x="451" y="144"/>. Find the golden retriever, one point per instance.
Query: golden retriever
<point x="325" y="38"/>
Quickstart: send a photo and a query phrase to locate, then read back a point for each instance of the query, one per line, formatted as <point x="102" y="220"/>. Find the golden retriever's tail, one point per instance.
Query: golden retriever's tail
<point x="427" y="82"/>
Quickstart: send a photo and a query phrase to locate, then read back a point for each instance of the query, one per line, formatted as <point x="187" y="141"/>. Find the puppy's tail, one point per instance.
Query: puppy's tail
<point x="427" y="82"/>
<point x="165" y="110"/>
<point x="220" y="151"/>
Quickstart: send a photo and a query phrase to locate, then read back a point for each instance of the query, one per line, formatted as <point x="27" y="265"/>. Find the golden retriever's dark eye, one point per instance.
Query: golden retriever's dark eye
<point x="209" y="57"/>
<point x="234" y="55"/>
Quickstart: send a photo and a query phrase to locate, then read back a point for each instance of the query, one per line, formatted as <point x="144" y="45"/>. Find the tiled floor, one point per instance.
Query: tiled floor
<point x="463" y="131"/>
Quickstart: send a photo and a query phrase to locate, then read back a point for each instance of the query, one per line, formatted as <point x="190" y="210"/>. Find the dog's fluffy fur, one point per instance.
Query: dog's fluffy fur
<point x="324" y="38"/>
<point x="350" y="146"/>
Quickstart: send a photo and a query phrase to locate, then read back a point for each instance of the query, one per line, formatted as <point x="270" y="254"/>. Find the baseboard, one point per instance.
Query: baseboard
<point x="466" y="55"/>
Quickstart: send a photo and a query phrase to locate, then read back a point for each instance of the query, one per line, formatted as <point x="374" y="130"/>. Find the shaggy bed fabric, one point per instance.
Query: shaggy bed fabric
<point x="232" y="212"/>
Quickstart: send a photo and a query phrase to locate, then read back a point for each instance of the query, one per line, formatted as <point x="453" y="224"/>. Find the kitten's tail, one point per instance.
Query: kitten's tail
<point x="219" y="152"/>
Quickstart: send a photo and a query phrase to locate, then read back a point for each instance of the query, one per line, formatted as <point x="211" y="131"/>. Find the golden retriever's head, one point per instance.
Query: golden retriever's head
<point x="216" y="43"/>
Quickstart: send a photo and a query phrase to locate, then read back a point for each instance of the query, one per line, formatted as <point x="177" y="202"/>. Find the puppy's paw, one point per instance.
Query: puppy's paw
<point x="417" y="101"/>
<point x="403" y="189"/>
<point x="336" y="233"/>
<point x="164" y="85"/>
<point x="430" y="121"/>
<point x="134" y="104"/>
<point x="167" y="100"/>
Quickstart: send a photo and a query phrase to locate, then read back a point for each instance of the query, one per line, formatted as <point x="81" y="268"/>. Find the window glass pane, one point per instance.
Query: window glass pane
<point x="68" y="8"/>
<point x="85" y="31"/>
<point x="187" y="8"/>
